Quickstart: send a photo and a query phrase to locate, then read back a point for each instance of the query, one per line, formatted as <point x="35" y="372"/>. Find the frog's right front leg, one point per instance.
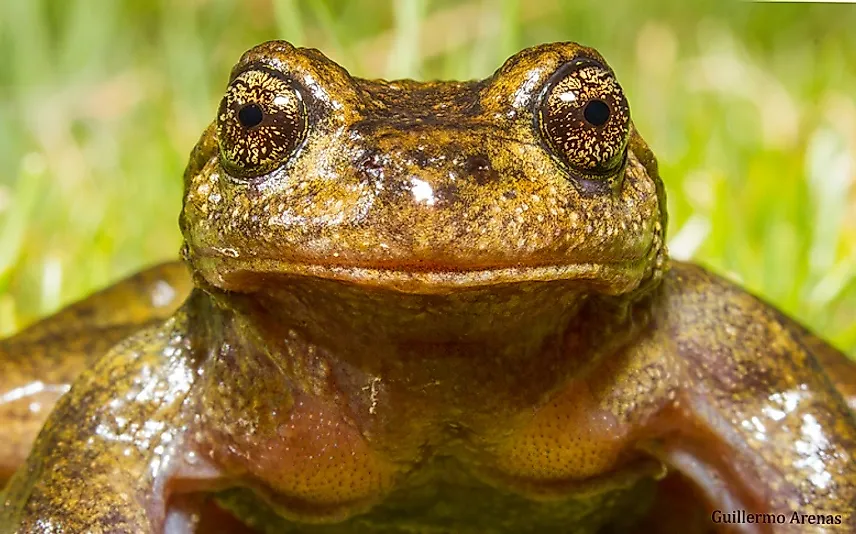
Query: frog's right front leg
<point x="104" y="459"/>
<point x="41" y="362"/>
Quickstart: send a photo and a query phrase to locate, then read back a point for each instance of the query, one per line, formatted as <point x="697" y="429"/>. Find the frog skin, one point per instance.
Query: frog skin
<point x="424" y="307"/>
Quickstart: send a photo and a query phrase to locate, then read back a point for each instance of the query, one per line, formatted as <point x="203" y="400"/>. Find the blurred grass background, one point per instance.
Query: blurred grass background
<point x="750" y="108"/>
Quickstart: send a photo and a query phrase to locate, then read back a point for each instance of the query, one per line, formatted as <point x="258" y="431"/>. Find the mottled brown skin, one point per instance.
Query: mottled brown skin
<point x="426" y="307"/>
<point x="41" y="361"/>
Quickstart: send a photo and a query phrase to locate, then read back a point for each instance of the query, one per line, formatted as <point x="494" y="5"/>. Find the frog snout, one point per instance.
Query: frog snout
<point x="429" y="176"/>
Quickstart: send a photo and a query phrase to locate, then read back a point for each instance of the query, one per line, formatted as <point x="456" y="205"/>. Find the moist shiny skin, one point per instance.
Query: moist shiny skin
<point x="423" y="307"/>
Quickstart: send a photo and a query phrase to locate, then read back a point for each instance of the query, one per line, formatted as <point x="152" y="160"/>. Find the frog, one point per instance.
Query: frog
<point x="433" y="307"/>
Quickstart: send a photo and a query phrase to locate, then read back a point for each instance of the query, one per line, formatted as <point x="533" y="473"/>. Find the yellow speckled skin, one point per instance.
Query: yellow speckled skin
<point x="41" y="362"/>
<point x="411" y="314"/>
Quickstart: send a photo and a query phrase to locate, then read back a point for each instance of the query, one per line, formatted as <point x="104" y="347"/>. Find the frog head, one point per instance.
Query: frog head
<point x="535" y="174"/>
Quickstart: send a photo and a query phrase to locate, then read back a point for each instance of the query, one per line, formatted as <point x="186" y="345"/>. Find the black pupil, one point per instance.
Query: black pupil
<point x="250" y="115"/>
<point x="596" y="112"/>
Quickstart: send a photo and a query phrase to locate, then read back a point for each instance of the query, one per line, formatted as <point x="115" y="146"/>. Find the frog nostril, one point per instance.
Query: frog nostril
<point x="480" y="168"/>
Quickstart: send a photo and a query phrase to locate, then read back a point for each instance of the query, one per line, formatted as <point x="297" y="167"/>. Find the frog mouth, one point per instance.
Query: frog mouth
<point x="237" y="274"/>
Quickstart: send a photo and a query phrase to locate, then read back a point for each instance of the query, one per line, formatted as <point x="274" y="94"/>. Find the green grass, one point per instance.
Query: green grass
<point x="750" y="108"/>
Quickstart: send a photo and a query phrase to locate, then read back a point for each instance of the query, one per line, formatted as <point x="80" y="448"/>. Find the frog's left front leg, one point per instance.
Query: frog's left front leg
<point x="104" y="457"/>
<point x="752" y="420"/>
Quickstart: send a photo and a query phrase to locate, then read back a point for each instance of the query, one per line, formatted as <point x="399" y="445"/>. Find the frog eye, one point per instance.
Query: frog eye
<point x="585" y="119"/>
<point x="260" y="123"/>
